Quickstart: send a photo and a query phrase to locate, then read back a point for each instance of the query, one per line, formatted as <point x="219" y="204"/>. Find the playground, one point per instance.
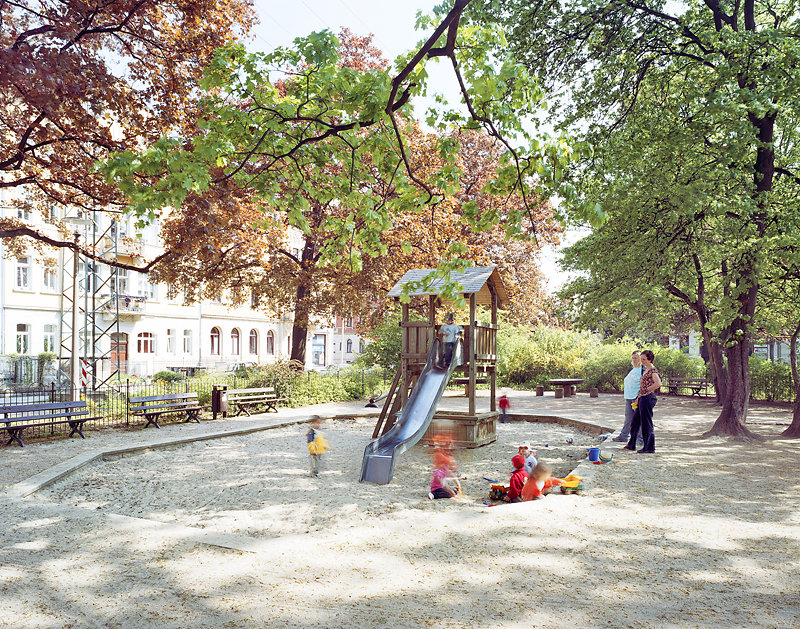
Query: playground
<point x="232" y="531"/>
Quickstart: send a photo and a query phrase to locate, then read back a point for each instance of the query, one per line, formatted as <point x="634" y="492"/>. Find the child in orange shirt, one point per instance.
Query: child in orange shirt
<point x="539" y="482"/>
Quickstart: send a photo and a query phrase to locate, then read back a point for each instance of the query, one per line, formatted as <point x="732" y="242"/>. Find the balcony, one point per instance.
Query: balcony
<point x="126" y="305"/>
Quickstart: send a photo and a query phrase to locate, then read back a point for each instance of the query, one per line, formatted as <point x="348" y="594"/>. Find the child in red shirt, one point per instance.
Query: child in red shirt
<point x="504" y="404"/>
<point x="517" y="481"/>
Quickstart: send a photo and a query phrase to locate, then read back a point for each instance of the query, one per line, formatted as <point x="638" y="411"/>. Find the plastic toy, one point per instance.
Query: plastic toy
<point x="572" y="484"/>
<point x="497" y="492"/>
<point x="593" y="454"/>
<point x="605" y="456"/>
<point x="569" y="439"/>
<point x="604" y="436"/>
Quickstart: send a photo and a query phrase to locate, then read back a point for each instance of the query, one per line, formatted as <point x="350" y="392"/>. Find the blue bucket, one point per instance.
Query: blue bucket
<point x="594" y="454"/>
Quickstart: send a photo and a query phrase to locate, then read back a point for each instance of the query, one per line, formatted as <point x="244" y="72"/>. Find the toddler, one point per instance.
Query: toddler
<point x="317" y="445"/>
<point x="503" y="404"/>
<point x="443" y="484"/>
<point x="539" y="482"/>
<point x="529" y="456"/>
<point x="517" y="481"/>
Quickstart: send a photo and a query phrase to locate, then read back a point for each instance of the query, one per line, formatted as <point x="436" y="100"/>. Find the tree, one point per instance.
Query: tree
<point x="733" y="69"/>
<point x="82" y="79"/>
<point x="326" y="149"/>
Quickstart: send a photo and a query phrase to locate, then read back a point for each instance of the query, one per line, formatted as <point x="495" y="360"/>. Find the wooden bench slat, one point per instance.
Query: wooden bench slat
<point x="166" y="396"/>
<point x="245" y="391"/>
<point x="23" y="416"/>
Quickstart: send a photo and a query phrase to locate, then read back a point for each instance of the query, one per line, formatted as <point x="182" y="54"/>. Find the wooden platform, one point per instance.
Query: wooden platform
<point x="463" y="430"/>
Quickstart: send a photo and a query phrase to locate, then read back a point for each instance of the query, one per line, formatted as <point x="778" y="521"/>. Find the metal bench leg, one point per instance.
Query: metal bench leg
<point x="16" y="435"/>
<point x="193" y="416"/>
<point x="76" y="427"/>
<point x="152" y="419"/>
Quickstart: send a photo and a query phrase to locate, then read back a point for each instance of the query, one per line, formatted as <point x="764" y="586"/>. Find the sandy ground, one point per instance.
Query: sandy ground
<point x="233" y="532"/>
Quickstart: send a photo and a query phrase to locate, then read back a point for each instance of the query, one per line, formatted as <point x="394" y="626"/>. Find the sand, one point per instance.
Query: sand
<point x="234" y="532"/>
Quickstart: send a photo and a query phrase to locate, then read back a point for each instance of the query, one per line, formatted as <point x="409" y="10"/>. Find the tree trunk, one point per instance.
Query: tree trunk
<point x="794" y="429"/>
<point x="302" y="305"/>
<point x="716" y="363"/>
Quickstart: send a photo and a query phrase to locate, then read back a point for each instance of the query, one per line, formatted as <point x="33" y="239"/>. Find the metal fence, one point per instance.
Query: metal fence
<point x="111" y="403"/>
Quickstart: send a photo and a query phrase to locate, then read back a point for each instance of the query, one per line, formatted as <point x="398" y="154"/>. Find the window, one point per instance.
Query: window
<point x="254" y="300"/>
<point x="146" y="343"/>
<point x="146" y="287"/>
<point x="170" y="341"/>
<point x="349" y="346"/>
<point x="24" y="214"/>
<point x="254" y="341"/>
<point x="215" y="345"/>
<point x="361" y="345"/>
<point x="49" y="280"/>
<point x="187" y="341"/>
<point x="23" y="338"/>
<point x="24" y="273"/>
<point x="348" y="322"/>
<point x="50" y="338"/>
<point x="172" y="292"/>
<point x="119" y="281"/>
<point x="216" y="298"/>
<point x="271" y="343"/>
<point x="236" y="346"/>
<point x="318" y="350"/>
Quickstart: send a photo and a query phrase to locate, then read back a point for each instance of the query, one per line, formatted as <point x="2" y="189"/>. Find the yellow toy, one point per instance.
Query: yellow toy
<point x="572" y="484"/>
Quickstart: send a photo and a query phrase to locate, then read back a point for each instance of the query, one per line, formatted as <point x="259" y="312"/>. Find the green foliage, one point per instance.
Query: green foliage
<point x="673" y="362"/>
<point x="384" y="346"/>
<point x="770" y="381"/>
<point x="606" y="365"/>
<point x="167" y="376"/>
<point x="531" y="356"/>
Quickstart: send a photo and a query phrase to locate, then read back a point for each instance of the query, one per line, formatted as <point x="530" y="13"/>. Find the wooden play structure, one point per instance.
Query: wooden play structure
<point x="465" y="429"/>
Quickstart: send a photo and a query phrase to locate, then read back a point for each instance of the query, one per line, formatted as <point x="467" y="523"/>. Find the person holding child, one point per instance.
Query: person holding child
<point x="643" y="413"/>
<point x="540" y="482"/>
<point x="630" y="393"/>
<point x="517" y="481"/>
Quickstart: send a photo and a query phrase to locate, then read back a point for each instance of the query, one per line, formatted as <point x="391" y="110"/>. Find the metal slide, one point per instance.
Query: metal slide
<point x="379" y="455"/>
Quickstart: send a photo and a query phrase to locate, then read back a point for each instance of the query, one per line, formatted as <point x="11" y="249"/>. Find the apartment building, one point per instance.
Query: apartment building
<point x="150" y="328"/>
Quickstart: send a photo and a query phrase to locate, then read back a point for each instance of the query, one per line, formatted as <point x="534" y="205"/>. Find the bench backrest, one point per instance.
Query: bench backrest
<point x="177" y="397"/>
<point x="266" y="390"/>
<point x="45" y="409"/>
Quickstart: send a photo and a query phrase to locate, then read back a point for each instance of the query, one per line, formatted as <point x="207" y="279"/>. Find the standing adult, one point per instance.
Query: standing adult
<point x="630" y="392"/>
<point x="643" y="411"/>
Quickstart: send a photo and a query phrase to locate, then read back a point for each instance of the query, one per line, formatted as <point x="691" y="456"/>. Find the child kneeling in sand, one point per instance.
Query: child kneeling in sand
<point x="539" y="482"/>
<point x="443" y="483"/>
<point x="517" y="481"/>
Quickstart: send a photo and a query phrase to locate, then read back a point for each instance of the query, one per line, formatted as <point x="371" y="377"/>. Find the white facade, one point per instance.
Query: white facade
<point x="156" y="330"/>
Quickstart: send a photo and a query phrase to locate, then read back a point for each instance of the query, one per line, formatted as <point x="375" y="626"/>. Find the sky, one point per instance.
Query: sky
<point x="392" y="25"/>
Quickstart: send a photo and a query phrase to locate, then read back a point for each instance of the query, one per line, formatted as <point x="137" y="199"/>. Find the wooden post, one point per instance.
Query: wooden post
<point x="432" y="319"/>
<point x="403" y="359"/>
<point x="472" y="332"/>
<point x="493" y="369"/>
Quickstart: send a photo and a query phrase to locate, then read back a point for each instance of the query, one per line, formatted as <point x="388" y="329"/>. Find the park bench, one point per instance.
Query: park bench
<point x="695" y="385"/>
<point x="151" y="407"/>
<point x="18" y="417"/>
<point x="465" y="382"/>
<point x="244" y="398"/>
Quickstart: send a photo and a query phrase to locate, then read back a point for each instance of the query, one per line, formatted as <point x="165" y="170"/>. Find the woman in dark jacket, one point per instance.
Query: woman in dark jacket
<point x="643" y="415"/>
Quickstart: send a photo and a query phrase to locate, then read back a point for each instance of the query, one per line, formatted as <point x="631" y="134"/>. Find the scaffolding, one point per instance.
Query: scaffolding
<point x="97" y="304"/>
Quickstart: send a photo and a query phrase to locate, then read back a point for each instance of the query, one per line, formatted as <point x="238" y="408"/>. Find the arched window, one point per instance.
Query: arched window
<point x="254" y="341"/>
<point x="271" y="343"/>
<point x="236" y="345"/>
<point x="349" y="346"/>
<point x="146" y="343"/>
<point x="361" y="345"/>
<point x="348" y="322"/>
<point x="215" y="344"/>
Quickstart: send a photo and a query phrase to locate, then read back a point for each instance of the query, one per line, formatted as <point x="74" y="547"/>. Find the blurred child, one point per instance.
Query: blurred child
<point x="443" y="483"/>
<point x="517" y="481"/>
<point x="529" y="455"/>
<point x="503" y="404"/>
<point x="317" y="445"/>
<point x="539" y="482"/>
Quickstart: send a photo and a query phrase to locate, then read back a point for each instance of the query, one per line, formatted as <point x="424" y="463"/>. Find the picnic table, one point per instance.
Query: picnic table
<point x="568" y="384"/>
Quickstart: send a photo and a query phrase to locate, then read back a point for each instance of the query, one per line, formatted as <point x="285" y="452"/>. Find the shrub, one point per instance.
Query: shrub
<point x="770" y="381"/>
<point x="606" y="366"/>
<point x="673" y="362"/>
<point x="167" y="376"/>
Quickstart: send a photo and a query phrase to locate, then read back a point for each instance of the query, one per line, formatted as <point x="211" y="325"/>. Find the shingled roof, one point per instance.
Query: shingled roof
<point x="474" y="280"/>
